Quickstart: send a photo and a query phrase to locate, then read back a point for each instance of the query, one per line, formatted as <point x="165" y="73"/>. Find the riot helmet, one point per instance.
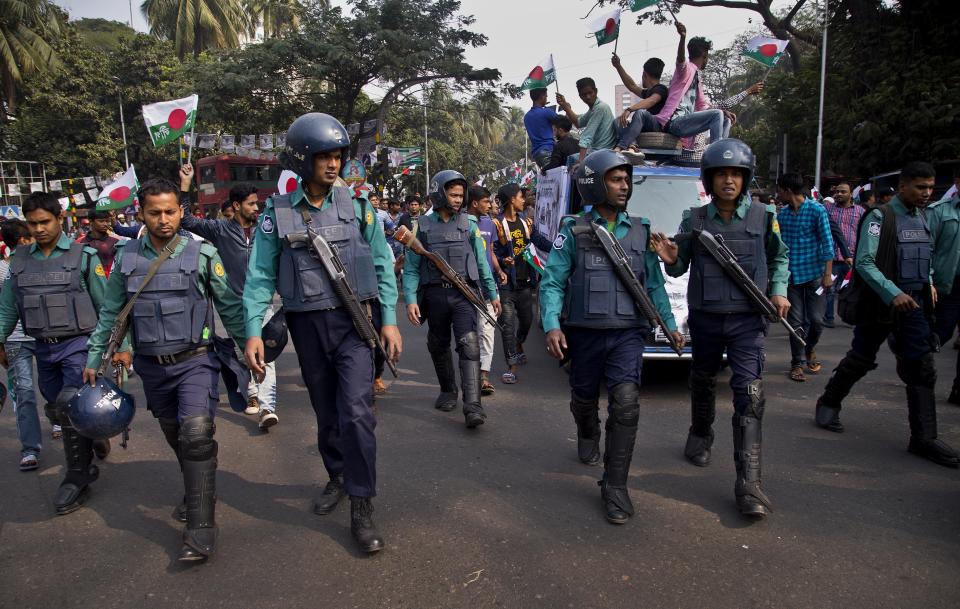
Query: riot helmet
<point x="101" y="411"/>
<point x="312" y="133"/>
<point x="728" y="152"/>
<point x="438" y="188"/>
<point x="593" y="170"/>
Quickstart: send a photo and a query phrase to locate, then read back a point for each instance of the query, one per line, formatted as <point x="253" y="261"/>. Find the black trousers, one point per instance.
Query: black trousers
<point x="516" y="317"/>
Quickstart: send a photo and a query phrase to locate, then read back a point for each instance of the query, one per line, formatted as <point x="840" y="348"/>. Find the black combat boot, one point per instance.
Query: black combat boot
<point x="446" y="374"/>
<point x="101" y="448"/>
<point x="921" y="378"/>
<point x="362" y="527"/>
<point x="621" y="436"/>
<point x="332" y="494"/>
<point x="703" y="410"/>
<point x="851" y="369"/>
<point x="747" y="441"/>
<point x="171" y="433"/>
<point x="199" y="452"/>
<point x="468" y="347"/>
<point x="954" y="397"/>
<point x="586" y="416"/>
<point x="75" y="488"/>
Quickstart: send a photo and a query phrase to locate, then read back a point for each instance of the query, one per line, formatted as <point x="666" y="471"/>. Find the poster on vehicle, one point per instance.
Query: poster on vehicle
<point x="552" y="190"/>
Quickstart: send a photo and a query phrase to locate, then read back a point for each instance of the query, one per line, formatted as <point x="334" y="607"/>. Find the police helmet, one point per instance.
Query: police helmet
<point x="274" y="335"/>
<point x="590" y="176"/>
<point x="438" y="188"/>
<point x="101" y="411"/>
<point x="312" y="133"/>
<point x="728" y="152"/>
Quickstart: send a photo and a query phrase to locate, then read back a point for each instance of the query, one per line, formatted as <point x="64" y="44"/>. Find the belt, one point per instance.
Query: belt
<point x="53" y="340"/>
<point x="176" y="358"/>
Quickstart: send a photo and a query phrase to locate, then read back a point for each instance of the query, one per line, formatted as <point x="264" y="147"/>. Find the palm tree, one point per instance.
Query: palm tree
<point x="276" y="16"/>
<point x="26" y="29"/>
<point x="196" y="25"/>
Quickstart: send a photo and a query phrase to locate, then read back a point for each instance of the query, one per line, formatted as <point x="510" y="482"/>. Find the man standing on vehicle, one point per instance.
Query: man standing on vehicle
<point x="722" y="318"/>
<point x="603" y="332"/>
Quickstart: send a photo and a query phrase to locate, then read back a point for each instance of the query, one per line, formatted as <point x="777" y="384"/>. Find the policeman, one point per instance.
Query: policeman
<point x="722" y="318"/>
<point x="944" y="219"/>
<point x="337" y="365"/>
<point x="100" y="239"/>
<point x="56" y="288"/>
<point x="602" y="329"/>
<point x="894" y="255"/>
<point x="171" y="323"/>
<point x="456" y="238"/>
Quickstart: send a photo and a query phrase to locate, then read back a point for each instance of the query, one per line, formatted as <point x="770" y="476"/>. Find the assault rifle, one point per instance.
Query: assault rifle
<point x="409" y="241"/>
<point x="728" y="261"/>
<point x="332" y="264"/>
<point x="621" y="264"/>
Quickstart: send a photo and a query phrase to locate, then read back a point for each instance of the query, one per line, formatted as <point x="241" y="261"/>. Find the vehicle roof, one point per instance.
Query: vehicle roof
<point x="666" y="170"/>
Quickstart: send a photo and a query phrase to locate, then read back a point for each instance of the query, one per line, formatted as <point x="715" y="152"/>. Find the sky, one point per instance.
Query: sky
<point x="522" y="32"/>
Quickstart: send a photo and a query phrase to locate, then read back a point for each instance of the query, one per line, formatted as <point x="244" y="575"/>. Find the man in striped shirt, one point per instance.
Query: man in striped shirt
<point x="847" y="216"/>
<point x="806" y="231"/>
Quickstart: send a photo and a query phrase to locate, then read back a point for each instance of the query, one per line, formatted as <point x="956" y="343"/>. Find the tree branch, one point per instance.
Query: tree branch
<point x="793" y="13"/>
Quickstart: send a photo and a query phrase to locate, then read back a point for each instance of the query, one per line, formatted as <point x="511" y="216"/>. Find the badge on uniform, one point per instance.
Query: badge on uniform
<point x="874" y="229"/>
<point x="99" y="271"/>
<point x="218" y="269"/>
<point x="266" y="225"/>
<point x="559" y="241"/>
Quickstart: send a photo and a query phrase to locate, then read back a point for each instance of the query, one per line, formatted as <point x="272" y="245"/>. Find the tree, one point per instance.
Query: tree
<point x="103" y="34"/>
<point x="276" y="16"/>
<point x="27" y="28"/>
<point x="196" y="25"/>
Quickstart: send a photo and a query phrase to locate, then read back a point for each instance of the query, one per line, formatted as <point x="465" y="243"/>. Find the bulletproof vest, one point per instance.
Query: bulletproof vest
<point x="171" y="314"/>
<point x="302" y="282"/>
<point x="50" y="299"/>
<point x="710" y="289"/>
<point x="451" y="241"/>
<point x="914" y="252"/>
<point x="595" y="296"/>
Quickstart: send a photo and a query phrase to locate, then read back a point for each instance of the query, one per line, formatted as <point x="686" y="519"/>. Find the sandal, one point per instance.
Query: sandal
<point x="796" y="374"/>
<point x="508" y="378"/>
<point x="28" y="462"/>
<point x="813" y="364"/>
<point x="486" y="387"/>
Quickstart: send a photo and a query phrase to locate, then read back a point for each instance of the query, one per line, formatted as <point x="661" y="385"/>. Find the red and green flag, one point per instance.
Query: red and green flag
<point x="122" y="193"/>
<point x="532" y="258"/>
<point x="639" y="5"/>
<point x="607" y="27"/>
<point x="767" y="51"/>
<point x="541" y="76"/>
<point x="170" y="120"/>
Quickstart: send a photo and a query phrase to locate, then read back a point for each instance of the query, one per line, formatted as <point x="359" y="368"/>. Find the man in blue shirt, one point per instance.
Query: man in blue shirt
<point x="537" y="122"/>
<point x="805" y="228"/>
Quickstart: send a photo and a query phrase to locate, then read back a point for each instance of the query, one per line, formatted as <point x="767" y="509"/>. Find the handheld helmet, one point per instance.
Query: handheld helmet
<point x="438" y="188"/>
<point x="590" y="176"/>
<point x="728" y="152"/>
<point x="101" y="411"/>
<point x="274" y="335"/>
<point x="312" y="133"/>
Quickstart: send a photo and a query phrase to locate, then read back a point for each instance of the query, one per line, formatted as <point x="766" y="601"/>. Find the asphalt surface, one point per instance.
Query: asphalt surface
<point x="505" y="516"/>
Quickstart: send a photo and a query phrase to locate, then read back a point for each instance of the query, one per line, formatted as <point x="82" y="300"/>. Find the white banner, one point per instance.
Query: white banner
<point x="551" y="204"/>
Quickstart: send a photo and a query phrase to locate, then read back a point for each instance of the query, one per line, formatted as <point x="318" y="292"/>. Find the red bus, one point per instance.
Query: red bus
<point x="216" y="175"/>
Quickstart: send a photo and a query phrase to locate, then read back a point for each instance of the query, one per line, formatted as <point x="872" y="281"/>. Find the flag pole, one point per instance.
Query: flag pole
<point x="555" y="83"/>
<point x="180" y="153"/>
<point x="823" y="80"/>
<point x="190" y="149"/>
<point x="670" y="8"/>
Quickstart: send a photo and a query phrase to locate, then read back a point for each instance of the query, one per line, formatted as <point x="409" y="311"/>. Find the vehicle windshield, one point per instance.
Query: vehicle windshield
<point x="662" y="200"/>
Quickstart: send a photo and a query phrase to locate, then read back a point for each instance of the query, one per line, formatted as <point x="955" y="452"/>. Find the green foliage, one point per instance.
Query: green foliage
<point x="102" y="34"/>
<point x="197" y="25"/>
<point x="27" y="31"/>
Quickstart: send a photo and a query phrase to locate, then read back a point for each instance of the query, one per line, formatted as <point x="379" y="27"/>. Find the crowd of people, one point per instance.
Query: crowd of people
<point x="464" y="261"/>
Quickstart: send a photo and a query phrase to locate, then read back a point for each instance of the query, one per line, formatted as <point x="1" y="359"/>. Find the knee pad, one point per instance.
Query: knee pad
<point x="702" y="383"/>
<point x="921" y="372"/>
<point x="583" y="407"/>
<point x="857" y="364"/>
<point x="196" y="439"/>
<point x="63" y="398"/>
<point x="469" y="346"/>
<point x="625" y="408"/>
<point x="757" y="398"/>
<point x="435" y="345"/>
<point x="52" y="410"/>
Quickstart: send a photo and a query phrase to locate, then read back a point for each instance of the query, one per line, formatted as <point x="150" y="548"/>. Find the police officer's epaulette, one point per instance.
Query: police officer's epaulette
<point x="207" y="249"/>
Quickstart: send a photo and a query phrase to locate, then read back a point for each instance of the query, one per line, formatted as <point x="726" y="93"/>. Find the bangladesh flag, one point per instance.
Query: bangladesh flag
<point x="543" y="75"/>
<point x="288" y="182"/>
<point x="121" y="194"/>
<point x="168" y="121"/>
<point x="767" y="51"/>
<point x="533" y="259"/>
<point x="639" y="5"/>
<point x="607" y="27"/>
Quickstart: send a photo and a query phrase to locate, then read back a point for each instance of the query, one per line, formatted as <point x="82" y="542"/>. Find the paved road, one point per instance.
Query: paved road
<point x="505" y="516"/>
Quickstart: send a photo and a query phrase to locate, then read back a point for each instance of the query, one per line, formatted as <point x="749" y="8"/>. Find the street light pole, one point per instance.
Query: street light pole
<point x="123" y="128"/>
<point x="426" y="150"/>
<point x="823" y="81"/>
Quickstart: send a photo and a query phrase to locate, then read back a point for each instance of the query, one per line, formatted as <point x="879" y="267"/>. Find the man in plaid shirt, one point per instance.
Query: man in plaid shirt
<point x="805" y="228"/>
<point x="846" y="216"/>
